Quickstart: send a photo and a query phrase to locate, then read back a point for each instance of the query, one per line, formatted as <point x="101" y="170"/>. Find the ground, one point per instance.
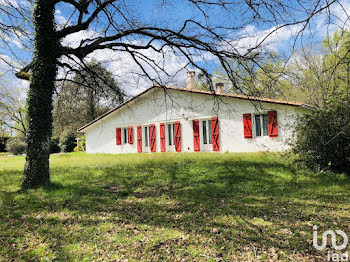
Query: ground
<point x="175" y="207"/>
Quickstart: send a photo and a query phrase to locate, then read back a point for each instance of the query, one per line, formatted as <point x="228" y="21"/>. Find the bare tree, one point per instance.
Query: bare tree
<point x="12" y="110"/>
<point x="212" y="28"/>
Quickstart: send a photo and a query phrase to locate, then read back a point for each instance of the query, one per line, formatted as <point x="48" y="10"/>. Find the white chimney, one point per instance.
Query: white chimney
<point x="219" y="88"/>
<point x="191" y="80"/>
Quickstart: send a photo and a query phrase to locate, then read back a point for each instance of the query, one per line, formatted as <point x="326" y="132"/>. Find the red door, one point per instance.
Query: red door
<point x="196" y="141"/>
<point x="177" y="136"/>
<point x="215" y="133"/>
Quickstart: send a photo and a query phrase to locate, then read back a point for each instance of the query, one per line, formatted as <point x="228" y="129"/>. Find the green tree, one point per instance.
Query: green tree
<point x="323" y="137"/>
<point x="322" y="75"/>
<point x="91" y="93"/>
<point x="264" y="76"/>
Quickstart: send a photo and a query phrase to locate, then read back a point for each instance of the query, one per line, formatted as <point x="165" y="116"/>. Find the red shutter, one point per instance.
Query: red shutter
<point x="273" y="127"/>
<point x="215" y="133"/>
<point x="139" y="139"/>
<point x="130" y="135"/>
<point x="162" y="137"/>
<point x="247" y="124"/>
<point x="196" y="141"/>
<point x="118" y="136"/>
<point x="177" y="136"/>
<point x="152" y="135"/>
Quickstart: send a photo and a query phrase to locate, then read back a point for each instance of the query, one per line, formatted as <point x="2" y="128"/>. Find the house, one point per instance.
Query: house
<point x="173" y="119"/>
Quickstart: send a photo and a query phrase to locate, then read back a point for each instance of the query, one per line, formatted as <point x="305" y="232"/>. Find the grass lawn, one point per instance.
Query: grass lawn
<point x="176" y="207"/>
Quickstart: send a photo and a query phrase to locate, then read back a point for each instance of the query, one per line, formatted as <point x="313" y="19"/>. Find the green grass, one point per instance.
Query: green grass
<point x="158" y="207"/>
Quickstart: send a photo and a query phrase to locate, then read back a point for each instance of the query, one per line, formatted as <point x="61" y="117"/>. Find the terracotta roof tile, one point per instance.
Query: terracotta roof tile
<point x="236" y="96"/>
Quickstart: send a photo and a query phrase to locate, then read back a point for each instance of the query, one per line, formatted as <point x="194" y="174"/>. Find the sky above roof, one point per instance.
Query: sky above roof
<point x="173" y="14"/>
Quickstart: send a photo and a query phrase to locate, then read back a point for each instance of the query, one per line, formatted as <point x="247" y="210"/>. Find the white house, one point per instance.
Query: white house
<point x="174" y="119"/>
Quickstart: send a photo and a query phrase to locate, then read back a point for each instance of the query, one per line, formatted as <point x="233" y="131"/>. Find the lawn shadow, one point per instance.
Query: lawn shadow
<point x="231" y="204"/>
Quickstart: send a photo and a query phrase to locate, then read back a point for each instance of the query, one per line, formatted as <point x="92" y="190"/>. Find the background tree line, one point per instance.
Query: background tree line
<point x="89" y="94"/>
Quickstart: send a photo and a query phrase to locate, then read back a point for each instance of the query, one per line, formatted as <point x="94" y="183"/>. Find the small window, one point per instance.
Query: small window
<point x="171" y="134"/>
<point x="146" y="136"/>
<point x="257" y="125"/>
<point x="209" y="131"/>
<point x="206" y="126"/>
<point x="265" y="125"/>
<point x="125" y="133"/>
<point x="261" y="125"/>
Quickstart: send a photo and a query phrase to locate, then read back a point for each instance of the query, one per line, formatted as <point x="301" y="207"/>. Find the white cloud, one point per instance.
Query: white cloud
<point x="127" y="72"/>
<point x="74" y="40"/>
<point x="8" y="78"/>
<point x="131" y="76"/>
<point x="271" y="39"/>
<point x="336" y="18"/>
<point x="60" y="19"/>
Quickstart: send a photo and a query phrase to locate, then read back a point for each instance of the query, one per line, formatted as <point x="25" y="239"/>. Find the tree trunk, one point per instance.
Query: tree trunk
<point x="46" y="48"/>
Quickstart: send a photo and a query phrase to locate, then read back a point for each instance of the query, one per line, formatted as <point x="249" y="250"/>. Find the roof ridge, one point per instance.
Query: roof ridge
<point x="257" y="98"/>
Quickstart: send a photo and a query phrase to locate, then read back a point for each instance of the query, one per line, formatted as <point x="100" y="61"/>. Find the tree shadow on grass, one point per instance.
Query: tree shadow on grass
<point x="228" y="205"/>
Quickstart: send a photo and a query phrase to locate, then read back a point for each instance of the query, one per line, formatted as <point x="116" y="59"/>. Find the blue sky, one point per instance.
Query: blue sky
<point x="173" y="14"/>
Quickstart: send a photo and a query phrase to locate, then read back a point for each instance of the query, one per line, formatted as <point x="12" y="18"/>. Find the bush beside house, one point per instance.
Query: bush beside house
<point x="67" y="143"/>
<point x="3" y="141"/>
<point x="323" y="138"/>
<point x="16" y="145"/>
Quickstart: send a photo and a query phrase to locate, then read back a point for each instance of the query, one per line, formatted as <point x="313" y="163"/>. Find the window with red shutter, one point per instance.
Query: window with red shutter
<point x="152" y="135"/>
<point x="131" y="135"/>
<point x="273" y="126"/>
<point x="162" y="137"/>
<point x="196" y="141"/>
<point x="118" y="136"/>
<point x="139" y="139"/>
<point x="177" y="136"/>
<point x="215" y="133"/>
<point x="247" y="125"/>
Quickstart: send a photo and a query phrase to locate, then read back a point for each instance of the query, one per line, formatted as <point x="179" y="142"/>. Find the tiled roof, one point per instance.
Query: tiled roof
<point x="236" y="96"/>
<point x="251" y="98"/>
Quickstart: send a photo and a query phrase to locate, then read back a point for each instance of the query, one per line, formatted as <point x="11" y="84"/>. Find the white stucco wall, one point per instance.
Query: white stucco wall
<point x="157" y="107"/>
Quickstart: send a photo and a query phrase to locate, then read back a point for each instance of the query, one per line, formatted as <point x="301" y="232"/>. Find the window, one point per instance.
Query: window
<point x="209" y="131"/>
<point x="125" y="134"/>
<point x="206" y="131"/>
<point x="204" y="126"/>
<point x="146" y="136"/>
<point x="171" y="133"/>
<point x="261" y="125"/>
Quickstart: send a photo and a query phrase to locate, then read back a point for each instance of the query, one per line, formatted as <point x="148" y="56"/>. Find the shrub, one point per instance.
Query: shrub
<point x="323" y="138"/>
<point x="16" y="145"/>
<point x="67" y="142"/>
<point x="54" y="145"/>
<point x="3" y="141"/>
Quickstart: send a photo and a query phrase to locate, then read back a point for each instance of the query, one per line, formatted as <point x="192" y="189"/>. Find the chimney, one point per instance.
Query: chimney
<point x="191" y="80"/>
<point x="219" y="88"/>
